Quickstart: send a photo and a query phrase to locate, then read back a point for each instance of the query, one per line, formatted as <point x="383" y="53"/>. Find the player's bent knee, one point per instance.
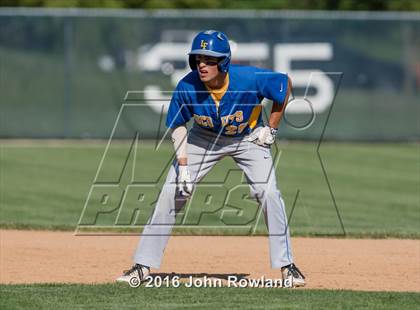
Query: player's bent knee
<point x="261" y="193"/>
<point x="258" y="192"/>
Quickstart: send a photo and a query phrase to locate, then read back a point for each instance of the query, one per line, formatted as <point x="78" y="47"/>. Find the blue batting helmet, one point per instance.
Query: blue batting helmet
<point x="211" y="43"/>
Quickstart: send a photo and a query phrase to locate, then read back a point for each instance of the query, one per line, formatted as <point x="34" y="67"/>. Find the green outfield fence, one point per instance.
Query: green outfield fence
<point x="65" y="73"/>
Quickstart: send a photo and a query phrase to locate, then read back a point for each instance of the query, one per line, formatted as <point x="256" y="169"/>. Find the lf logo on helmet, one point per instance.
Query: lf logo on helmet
<point x="203" y="44"/>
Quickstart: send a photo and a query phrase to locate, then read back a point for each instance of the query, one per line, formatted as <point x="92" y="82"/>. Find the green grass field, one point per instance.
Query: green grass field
<point x="113" y="296"/>
<point x="44" y="185"/>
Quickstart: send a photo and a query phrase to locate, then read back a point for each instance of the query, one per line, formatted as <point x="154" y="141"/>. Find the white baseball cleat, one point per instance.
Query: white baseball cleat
<point x="135" y="276"/>
<point x="292" y="277"/>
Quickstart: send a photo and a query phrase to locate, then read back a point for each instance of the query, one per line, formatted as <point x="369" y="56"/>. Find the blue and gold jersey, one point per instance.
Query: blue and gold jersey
<point x="238" y="111"/>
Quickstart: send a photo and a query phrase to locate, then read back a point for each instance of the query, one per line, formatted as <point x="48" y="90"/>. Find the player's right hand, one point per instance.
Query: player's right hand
<point x="184" y="184"/>
<point x="263" y="136"/>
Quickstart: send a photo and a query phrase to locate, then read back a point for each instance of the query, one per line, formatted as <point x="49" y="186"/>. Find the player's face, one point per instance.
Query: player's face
<point x="207" y="67"/>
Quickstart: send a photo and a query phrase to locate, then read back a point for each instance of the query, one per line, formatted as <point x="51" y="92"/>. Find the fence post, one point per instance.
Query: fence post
<point x="68" y="64"/>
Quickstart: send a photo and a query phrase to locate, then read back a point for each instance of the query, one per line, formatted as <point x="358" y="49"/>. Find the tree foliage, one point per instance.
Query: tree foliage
<point x="356" y="5"/>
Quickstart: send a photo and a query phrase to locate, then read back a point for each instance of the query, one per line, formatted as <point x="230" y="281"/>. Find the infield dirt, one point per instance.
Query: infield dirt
<point x="356" y="264"/>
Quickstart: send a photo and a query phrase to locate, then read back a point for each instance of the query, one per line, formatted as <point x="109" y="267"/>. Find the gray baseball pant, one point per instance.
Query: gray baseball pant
<point x="205" y="149"/>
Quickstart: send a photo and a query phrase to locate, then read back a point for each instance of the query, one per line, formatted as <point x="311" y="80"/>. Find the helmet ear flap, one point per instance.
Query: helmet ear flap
<point x="192" y="62"/>
<point x="224" y="64"/>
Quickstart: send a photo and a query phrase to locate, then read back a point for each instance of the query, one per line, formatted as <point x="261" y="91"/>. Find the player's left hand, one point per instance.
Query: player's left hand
<point x="184" y="183"/>
<point x="264" y="136"/>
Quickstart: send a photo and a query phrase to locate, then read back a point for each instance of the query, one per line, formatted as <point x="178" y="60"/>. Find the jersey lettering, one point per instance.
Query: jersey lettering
<point x="203" y="120"/>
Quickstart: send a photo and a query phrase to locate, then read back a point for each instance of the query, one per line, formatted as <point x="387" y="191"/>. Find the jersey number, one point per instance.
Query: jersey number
<point x="232" y="129"/>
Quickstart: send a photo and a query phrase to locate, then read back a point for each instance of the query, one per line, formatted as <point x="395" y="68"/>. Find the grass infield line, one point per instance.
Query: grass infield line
<point x="201" y="232"/>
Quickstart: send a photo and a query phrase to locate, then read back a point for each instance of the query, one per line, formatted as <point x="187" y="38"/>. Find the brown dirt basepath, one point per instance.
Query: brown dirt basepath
<point x="357" y="264"/>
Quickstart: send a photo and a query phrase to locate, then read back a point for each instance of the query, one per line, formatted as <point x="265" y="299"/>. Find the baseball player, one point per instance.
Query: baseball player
<point x="224" y="101"/>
